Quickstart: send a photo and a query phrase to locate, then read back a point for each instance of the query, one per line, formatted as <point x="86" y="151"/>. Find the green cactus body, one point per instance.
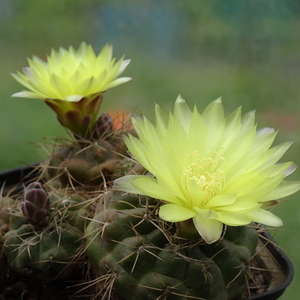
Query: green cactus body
<point x="7" y="204"/>
<point x="81" y="164"/>
<point x="140" y="256"/>
<point x="53" y="252"/>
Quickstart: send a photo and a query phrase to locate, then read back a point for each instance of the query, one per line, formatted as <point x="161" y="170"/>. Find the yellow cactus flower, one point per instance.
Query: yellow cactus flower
<point x="71" y="82"/>
<point x="208" y="168"/>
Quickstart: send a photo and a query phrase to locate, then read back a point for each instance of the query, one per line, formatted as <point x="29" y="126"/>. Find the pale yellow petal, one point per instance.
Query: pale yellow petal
<point x="59" y="86"/>
<point x="237" y="206"/>
<point x="265" y="130"/>
<point x="198" y="134"/>
<point x="194" y="195"/>
<point x="248" y="122"/>
<point x="26" y="94"/>
<point x="233" y="218"/>
<point x="232" y="128"/>
<point x="206" y="213"/>
<point x="182" y="113"/>
<point x="175" y="213"/>
<point x="234" y="154"/>
<point x="125" y="184"/>
<point x="148" y="186"/>
<point x="291" y="169"/>
<point x="209" y="229"/>
<point x="117" y="82"/>
<point x="254" y="185"/>
<point x="265" y="217"/>
<point x="214" y="120"/>
<point x="161" y="120"/>
<point x="123" y="66"/>
<point x="221" y="200"/>
<point x="285" y="188"/>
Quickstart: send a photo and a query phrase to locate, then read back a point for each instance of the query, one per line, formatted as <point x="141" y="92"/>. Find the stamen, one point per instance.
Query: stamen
<point x="206" y="175"/>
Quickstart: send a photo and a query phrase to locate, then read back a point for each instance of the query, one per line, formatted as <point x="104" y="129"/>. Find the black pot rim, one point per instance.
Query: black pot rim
<point x="16" y="177"/>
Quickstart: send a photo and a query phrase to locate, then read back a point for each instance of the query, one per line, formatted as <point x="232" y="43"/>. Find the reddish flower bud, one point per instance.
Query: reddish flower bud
<point x="36" y="205"/>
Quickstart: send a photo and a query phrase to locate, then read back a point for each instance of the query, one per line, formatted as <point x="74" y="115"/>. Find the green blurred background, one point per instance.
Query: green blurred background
<point x="247" y="52"/>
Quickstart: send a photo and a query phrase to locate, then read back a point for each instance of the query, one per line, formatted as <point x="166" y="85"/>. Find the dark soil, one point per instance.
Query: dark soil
<point x="32" y="290"/>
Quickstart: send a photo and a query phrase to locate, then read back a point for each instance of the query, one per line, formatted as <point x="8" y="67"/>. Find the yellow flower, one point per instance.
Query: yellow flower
<point x="209" y="168"/>
<point x="71" y="82"/>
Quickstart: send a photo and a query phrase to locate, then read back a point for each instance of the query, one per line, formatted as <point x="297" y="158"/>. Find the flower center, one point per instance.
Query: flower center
<point x="206" y="175"/>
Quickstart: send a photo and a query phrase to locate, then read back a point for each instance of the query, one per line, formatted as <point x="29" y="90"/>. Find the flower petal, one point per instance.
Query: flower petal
<point x="149" y="186"/>
<point x="175" y="213"/>
<point x="234" y="218"/>
<point x="125" y="184"/>
<point x="285" y="188"/>
<point x="221" y="201"/>
<point x="182" y="113"/>
<point x="209" y="229"/>
<point x="265" y="217"/>
<point x="144" y="185"/>
<point x="213" y="118"/>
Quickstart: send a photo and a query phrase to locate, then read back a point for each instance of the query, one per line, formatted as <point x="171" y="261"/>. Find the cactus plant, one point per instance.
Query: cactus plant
<point x="49" y="247"/>
<point x="82" y="165"/>
<point x="141" y="256"/>
<point x="167" y="212"/>
<point x="7" y="205"/>
<point x="89" y="161"/>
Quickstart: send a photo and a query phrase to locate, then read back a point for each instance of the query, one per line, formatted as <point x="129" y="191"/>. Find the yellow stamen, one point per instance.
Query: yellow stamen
<point x="206" y="175"/>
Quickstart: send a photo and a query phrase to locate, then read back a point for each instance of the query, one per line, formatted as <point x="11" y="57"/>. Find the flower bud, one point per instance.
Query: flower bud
<point x="36" y="205"/>
<point x="104" y="125"/>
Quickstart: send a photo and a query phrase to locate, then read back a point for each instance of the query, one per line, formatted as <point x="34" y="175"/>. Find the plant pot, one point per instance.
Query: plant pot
<point x="15" y="179"/>
<point x="280" y="269"/>
<point x="275" y="267"/>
